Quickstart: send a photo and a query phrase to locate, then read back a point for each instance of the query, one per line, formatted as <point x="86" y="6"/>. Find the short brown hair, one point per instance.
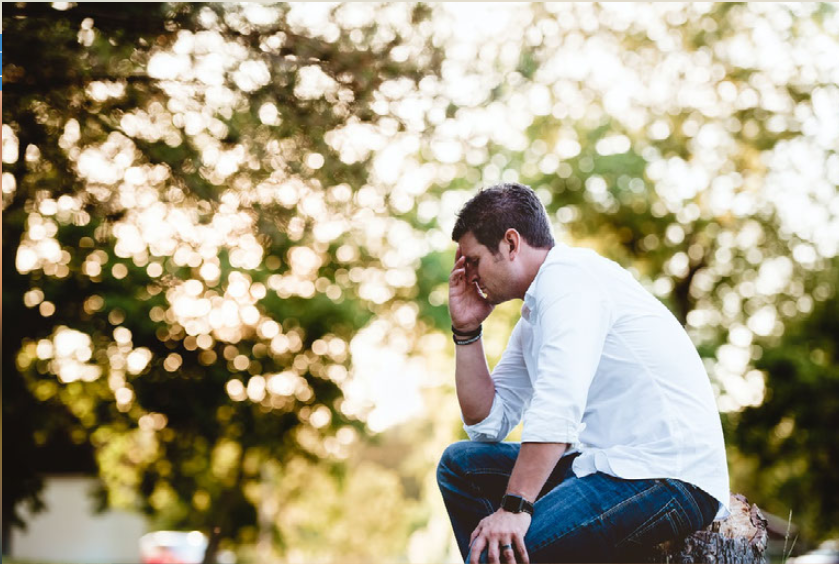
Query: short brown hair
<point x="494" y="210"/>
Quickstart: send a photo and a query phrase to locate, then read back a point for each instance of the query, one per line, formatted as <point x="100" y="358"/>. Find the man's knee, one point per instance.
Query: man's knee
<point x="451" y="463"/>
<point x="465" y="457"/>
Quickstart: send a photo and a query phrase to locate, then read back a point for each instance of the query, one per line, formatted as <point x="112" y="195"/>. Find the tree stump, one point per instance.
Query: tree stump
<point x="739" y="539"/>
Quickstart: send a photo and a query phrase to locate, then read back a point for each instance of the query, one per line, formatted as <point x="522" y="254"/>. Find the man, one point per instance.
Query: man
<point x="622" y="446"/>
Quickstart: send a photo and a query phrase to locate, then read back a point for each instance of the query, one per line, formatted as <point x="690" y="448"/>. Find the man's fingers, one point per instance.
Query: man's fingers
<point x="477" y="549"/>
<point x="474" y="534"/>
<point x="493" y="554"/>
<point x="507" y="552"/>
<point x="459" y="266"/>
<point x="457" y="275"/>
<point x="522" y="550"/>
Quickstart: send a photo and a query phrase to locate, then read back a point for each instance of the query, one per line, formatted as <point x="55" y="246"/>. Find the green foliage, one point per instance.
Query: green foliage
<point x="790" y="438"/>
<point x="151" y="194"/>
<point x="239" y="166"/>
<point x="663" y="137"/>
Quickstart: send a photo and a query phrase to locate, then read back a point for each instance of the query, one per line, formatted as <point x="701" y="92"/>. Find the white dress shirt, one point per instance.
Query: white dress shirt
<point x="597" y="362"/>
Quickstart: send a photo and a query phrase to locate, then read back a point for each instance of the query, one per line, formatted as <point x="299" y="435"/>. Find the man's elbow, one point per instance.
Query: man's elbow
<point x="484" y="431"/>
<point x="484" y="435"/>
<point x="473" y="419"/>
<point x="474" y="414"/>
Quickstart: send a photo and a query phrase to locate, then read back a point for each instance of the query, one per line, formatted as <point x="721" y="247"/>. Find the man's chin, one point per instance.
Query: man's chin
<point x="492" y="300"/>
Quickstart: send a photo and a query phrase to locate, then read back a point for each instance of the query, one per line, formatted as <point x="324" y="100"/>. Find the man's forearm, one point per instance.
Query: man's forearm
<point x="534" y="464"/>
<point x="475" y="389"/>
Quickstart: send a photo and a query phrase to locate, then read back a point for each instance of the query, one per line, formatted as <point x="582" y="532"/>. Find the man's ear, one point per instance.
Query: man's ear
<point x="512" y="240"/>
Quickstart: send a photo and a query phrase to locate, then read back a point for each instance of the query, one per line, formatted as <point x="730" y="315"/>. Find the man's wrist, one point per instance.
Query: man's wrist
<point x="466" y="340"/>
<point x="516" y="504"/>
<point x="467" y="331"/>
<point x="466" y="337"/>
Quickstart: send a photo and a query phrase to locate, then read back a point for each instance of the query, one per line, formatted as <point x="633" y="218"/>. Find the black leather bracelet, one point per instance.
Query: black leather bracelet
<point x="468" y="341"/>
<point x="474" y="333"/>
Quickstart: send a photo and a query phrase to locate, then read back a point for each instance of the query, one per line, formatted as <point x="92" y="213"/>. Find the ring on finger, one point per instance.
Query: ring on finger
<point x="506" y="547"/>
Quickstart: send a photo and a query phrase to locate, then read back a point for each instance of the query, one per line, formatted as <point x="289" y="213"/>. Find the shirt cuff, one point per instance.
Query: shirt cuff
<point x="489" y="429"/>
<point x="552" y="431"/>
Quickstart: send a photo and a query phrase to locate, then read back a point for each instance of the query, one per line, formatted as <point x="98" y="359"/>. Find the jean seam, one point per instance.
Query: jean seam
<point x="488" y="505"/>
<point x="483" y="472"/>
<point x="686" y="492"/>
<point x="486" y="471"/>
<point x="590" y="521"/>
<point x="665" y="511"/>
<point x="669" y="513"/>
<point x="628" y="500"/>
<point x="539" y="546"/>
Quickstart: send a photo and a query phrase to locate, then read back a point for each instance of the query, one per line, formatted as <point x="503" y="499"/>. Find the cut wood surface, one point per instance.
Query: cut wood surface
<point x="739" y="539"/>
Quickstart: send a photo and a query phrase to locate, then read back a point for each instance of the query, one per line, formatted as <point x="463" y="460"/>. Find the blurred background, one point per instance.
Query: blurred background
<point x="226" y="242"/>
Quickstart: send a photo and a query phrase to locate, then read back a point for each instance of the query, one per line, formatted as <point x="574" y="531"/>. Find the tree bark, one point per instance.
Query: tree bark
<point x="739" y="539"/>
<point x="212" y="546"/>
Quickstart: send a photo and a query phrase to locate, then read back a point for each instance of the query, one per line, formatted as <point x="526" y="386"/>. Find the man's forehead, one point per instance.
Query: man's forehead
<point x="469" y="246"/>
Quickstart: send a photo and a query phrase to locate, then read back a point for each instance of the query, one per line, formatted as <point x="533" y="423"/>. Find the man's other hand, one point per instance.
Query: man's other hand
<point x="467" y="307"/>
<point x="502" y="534"/>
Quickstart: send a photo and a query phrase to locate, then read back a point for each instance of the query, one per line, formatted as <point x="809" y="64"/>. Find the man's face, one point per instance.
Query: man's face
<point x="491" y="272"/>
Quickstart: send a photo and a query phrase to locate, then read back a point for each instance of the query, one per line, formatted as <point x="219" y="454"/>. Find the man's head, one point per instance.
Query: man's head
<point x="494" y="210"/>
<point x="504" y="233"/>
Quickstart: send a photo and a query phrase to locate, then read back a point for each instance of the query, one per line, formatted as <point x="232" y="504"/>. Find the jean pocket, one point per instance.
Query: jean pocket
<point x="664" y="525"/>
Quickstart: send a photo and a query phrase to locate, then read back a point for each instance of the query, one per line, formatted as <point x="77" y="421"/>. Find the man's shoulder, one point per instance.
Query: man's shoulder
<point x="569" y="266"/>
<point x="562" y="257"/>
<point x="562" y="254"/>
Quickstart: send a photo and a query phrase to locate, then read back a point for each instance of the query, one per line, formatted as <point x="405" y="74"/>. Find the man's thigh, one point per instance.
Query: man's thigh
<point x="599" y="518"/>
<point x="488" y="466"/>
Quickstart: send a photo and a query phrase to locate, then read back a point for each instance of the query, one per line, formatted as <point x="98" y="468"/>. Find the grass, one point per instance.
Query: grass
<point x="785" y="555"/>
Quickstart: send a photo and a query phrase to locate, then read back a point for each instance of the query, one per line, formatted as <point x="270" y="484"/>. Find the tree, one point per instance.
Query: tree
<point x="786" y="441"/>
<point x="710" y="214"/>
<point x="178" y="179"/>
<point x="689" y="144"/>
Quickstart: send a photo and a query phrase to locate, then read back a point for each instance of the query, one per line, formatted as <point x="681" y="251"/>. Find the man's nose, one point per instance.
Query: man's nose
<point x="471" y="274"/>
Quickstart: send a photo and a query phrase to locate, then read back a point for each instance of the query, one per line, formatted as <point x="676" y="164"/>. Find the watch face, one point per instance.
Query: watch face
<point x="516" y="504"/>
<point x="512" y="503"/>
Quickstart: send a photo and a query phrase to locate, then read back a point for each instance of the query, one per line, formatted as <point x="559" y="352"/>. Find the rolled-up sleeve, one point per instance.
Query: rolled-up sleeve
<point x="573" y="320"/>
<point x="512" y="391"/>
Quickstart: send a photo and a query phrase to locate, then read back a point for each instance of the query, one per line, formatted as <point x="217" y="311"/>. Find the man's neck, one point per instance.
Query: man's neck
<point x="534" y="260"/>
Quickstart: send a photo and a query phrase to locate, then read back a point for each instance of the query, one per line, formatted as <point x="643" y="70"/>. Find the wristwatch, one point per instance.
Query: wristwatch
<point x="516" y="504"/>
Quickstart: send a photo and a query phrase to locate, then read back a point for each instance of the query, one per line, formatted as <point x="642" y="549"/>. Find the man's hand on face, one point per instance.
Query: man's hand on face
<point x="467" y="307"/>
<point x="502" y="534"/>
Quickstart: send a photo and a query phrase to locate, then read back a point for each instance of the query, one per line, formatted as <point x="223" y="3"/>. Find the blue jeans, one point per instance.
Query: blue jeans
<point x="597" y="518"/>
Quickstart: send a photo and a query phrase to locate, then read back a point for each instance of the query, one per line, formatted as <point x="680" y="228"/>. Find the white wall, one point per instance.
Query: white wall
<point x="68" y="531"/>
